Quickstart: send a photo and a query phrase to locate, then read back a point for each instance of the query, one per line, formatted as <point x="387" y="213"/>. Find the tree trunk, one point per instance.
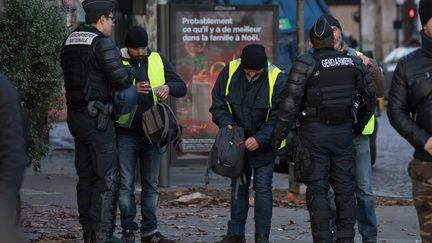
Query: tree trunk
<point x="378" y="51"/>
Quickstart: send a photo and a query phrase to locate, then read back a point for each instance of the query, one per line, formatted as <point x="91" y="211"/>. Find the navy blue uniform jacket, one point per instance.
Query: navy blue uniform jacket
<point x="250" y="103"/>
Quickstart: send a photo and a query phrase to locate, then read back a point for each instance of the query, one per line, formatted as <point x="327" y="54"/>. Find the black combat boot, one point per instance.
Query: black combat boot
<point x="261" y="238"/>
<point x="104" y="230"/>
<point x="232" y="239"/>
<point x="87" y="236"/>
<point x="344" y="241"/>
<point x="156" y="237"/>
<point x="128" y="236"/>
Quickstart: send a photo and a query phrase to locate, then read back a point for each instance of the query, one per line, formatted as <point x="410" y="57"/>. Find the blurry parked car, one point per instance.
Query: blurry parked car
<point x="390" y="62"/>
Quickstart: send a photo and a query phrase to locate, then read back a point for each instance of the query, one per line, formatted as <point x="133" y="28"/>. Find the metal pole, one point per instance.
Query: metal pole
<point x="163" y="46"/>
<point x="300" y="26"/>
<point x="360" y="26"/>
<point x="397" y="19"/>
<point x="294" y="187"/>
<point x="378" y="33"/>
<point x="1" y="6"/>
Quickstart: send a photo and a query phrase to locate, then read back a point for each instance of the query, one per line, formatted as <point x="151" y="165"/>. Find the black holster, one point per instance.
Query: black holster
<point x="103" y="111"/>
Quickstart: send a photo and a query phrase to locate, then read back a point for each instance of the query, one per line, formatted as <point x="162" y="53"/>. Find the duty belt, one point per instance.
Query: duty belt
<point x="310" y="112"/>
<point x="326" y="115"/>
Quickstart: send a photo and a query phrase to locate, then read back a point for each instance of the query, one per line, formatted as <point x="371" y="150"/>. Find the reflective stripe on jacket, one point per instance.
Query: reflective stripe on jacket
<point x="156" y="75"/>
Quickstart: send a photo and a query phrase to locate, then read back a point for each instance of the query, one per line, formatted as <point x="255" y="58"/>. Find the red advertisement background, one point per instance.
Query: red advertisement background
<point x="199" y="62"/>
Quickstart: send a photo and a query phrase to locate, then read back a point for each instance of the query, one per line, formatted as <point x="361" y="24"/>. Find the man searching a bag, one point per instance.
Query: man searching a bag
<point x="92" y="68"/>
<point x="247" y="94"/>
<point x="155" y="80"/>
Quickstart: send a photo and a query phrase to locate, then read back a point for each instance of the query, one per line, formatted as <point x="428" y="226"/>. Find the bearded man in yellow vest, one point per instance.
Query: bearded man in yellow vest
<point x="155" y="79"/>
<point x="247" y="94"/>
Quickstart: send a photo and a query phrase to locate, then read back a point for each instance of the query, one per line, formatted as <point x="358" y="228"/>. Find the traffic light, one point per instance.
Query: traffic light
<point x="409" y="20"/>
<point x="411" y="13"/>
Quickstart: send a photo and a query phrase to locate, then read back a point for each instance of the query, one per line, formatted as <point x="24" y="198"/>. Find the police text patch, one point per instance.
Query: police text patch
<point x="80" y="38"/>
<point x="336" y="62"/>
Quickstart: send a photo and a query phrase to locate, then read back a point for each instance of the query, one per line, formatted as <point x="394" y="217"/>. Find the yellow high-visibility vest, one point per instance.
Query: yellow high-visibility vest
<point x="156" y="75"/>
<point x="273" y="73"/>
<point x="370" y="126"/>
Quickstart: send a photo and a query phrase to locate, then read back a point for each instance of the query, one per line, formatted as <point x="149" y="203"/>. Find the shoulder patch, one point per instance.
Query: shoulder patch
<point x="80" y="38"/>
<point x="336" y="62"/>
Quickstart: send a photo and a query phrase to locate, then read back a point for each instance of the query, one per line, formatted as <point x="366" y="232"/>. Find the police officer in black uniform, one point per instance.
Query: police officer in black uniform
<point x="318" y="97"/>
<point x="92" y="69"/>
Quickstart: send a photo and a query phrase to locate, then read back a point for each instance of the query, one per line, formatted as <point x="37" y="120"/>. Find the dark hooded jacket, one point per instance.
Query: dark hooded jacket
<point x="250" y="103"/>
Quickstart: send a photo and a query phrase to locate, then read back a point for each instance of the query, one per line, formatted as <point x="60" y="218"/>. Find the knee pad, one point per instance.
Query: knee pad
<point x="345" y="235"/>
<point x="314" y="199"/>
<point x="323" y="216"/>
<point x="347" y="213"/>
<point x="344" y="201"/>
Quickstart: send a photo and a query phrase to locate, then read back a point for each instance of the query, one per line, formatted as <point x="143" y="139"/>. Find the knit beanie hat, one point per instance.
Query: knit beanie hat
<point x="253" y="57"/>
<point x="425" y="11"/>
<point x="321" y="34"/>
<point x="136" y="37"/>
<point x="332" y="21"/>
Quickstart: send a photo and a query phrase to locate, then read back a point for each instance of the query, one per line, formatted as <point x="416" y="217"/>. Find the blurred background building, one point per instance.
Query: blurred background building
<point x="377" y="25"/>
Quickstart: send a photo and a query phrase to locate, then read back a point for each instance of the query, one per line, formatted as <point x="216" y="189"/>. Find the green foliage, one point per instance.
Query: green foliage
<point x="32" y="32"/>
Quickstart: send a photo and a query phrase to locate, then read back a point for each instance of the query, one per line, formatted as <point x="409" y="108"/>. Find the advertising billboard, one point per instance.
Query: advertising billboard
<point x="204" y="40"/>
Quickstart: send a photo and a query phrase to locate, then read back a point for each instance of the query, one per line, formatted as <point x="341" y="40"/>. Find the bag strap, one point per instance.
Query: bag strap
<point x="165" y="107"/>
<point x="163" y="149"/>
<point x="176" y="140"/>
<point x="179" y="128"/>
<point x="146" y="133"/>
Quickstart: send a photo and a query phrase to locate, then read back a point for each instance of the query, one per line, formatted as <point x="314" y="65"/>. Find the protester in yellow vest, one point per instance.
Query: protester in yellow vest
<point x="366" y="217"/>
<point x="155" y="79"/>
<point x="247" y="94"/>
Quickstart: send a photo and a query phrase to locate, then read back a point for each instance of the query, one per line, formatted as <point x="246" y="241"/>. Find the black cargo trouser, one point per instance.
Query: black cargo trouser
<point x="96" y="163"/>
<point x="421" y="178"/>
<point x="332" y="153"/>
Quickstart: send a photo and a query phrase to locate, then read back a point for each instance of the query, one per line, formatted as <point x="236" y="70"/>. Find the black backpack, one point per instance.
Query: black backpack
<point x="161" y="126"/>
<point x="226" y="156"/>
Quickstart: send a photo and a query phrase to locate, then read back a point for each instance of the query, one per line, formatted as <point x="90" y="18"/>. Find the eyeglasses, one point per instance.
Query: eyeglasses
<point x="111" y="17"/>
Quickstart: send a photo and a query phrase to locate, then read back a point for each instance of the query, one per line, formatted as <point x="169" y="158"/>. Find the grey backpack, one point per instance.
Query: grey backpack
<point x="226" y="156"/>
<point x="161" y="126"/>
